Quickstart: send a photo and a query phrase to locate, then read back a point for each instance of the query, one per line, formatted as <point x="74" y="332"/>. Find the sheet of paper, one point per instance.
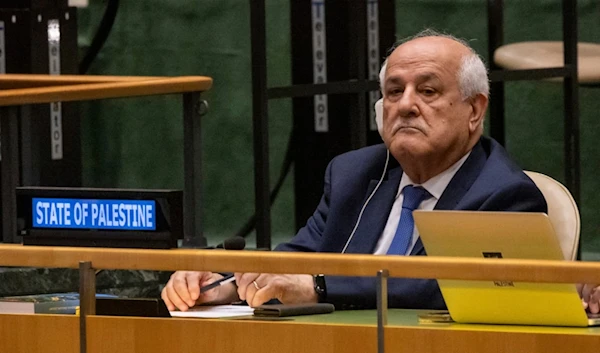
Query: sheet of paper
<point x="215" y="311"/>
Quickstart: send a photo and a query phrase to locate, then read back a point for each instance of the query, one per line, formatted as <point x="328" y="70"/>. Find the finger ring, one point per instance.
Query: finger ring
<point x="255" y="285"/>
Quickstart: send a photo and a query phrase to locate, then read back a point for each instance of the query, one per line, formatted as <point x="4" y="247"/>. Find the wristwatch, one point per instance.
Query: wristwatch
<point x="320" y="287"/>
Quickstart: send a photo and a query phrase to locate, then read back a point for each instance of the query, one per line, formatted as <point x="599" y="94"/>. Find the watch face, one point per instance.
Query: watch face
<point x="320" y="289"/>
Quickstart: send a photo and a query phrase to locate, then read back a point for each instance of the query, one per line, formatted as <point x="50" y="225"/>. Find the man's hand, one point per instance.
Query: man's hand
<point x="256" y="289"/>
<point x="590" y="296"/>
<point x="183" y="290"/>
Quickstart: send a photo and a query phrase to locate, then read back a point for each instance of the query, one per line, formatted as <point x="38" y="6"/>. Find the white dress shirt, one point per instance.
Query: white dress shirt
<point x="435" y="186"/>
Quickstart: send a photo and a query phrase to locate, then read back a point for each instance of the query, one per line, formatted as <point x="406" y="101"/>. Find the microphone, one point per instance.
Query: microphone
<point x="233" y="243"/>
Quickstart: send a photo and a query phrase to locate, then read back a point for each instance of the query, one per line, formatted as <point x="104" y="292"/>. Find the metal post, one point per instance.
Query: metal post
<point x="193" y="109"/>
<point x="260" y="122"/>
<point x="87" y="300"/>
<point x="496" y="39"/>
<point x="382" y="308"/>
<point x="358" y="38"/>
<point x="9" y="171"/>
<point x="29" y="147"/>
<point x="571" y="100"/>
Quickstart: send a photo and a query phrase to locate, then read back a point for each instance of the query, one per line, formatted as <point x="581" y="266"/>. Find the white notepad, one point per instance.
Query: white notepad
<point x="215" y="311"/>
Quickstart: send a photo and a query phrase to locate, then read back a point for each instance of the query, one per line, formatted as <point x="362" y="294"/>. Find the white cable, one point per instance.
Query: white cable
<point x="387" y="159"/>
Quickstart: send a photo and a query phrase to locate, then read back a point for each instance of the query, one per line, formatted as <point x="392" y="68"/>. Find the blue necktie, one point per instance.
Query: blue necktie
<point x="413" y="196"/>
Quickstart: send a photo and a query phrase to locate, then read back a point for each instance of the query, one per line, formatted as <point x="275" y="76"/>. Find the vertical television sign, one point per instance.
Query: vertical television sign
<point x="56" y="138"/>
<point x="373" y="55"/>
<point x="320" y="64"/>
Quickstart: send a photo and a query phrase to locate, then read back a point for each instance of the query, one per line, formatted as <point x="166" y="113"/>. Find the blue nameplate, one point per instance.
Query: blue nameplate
<point x="93" y="214"/>
<point x="120" y="218"/>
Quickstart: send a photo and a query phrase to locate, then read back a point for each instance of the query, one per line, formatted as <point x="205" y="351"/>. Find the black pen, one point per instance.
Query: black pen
<point x="222" y="281"/>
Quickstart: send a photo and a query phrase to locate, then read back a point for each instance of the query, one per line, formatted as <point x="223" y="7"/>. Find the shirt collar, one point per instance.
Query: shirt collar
<point x="436" y="185"/>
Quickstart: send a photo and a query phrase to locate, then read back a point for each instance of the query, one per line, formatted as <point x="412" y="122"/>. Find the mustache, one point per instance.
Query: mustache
<point x="405" y="125"/>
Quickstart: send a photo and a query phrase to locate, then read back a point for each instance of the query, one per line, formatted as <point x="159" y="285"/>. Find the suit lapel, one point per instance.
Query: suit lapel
<point x="458" y="186"/>
<point x="376" y="213"/>
<point x="463" y="179"/>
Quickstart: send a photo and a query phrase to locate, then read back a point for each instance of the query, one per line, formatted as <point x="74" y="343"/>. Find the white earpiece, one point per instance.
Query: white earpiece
<point x="379" y="122"/>
<point x="379" y="116"/>
<point x="379" y="103"/>
<point x="387" y="160"/>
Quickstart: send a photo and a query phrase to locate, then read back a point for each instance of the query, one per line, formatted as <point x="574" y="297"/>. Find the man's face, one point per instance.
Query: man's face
<point x="424" y="114"/>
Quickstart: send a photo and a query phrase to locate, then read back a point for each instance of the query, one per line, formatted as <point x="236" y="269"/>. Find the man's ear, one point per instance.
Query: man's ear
<point x="479" y="105"/>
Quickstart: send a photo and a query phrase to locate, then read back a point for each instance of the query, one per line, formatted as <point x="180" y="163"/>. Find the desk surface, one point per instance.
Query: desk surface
<point x="409" y="318"/>
<point x="342" y="331"/>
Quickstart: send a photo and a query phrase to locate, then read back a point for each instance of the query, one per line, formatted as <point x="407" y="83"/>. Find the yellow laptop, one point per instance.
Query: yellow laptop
<point x="517" y="235"/>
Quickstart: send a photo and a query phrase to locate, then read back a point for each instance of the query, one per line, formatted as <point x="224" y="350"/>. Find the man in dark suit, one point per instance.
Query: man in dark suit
<point x="435" y="94"/>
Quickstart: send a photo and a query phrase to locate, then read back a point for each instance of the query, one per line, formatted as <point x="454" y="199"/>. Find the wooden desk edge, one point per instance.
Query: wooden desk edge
<point x="289" y="262"/>
<point x="126" y="87"/>
<point x="15" y="81"/>
<point x="156" y="335"/>
<point x="59" y="333"/>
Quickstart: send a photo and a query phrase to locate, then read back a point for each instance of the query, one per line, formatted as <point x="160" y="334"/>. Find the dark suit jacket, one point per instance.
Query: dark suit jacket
<point x="487" y="181"/>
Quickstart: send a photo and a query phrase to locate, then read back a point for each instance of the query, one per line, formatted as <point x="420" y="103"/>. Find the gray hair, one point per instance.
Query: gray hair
<point x="472" y="75"/>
